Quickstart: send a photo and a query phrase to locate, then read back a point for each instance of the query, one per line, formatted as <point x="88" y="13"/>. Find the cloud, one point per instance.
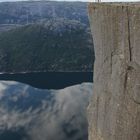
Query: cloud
<point x="44" y="114"/>
<point x="3" y="86"/>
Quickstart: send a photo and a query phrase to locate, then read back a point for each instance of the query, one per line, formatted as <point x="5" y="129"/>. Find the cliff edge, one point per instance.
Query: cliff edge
<point x="114" y="111"/>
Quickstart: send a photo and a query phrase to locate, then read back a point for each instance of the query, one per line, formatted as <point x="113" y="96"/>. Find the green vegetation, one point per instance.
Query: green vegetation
<point x="54" y="45"/>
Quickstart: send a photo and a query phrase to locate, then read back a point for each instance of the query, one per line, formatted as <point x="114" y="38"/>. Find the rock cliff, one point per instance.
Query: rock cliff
<point x="114" y="111"/>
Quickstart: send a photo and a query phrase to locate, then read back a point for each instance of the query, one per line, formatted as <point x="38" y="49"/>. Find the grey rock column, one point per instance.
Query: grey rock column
<point x="114" y="111"/>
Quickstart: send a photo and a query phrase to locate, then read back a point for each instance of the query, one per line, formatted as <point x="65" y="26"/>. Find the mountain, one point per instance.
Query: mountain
<point x="45" y="36"/>
<point x="17" y="13"/>
<point x="53" y="45"/>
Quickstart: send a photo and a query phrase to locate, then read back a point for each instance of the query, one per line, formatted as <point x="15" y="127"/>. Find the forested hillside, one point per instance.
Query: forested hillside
<point x="45" y="36"/>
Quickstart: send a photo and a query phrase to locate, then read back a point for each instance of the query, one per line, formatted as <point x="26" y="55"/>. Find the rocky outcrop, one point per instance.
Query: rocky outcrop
<point x="114" y="111"/>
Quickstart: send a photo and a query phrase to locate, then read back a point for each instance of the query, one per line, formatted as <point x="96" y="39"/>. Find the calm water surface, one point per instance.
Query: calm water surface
<point x="50" y="80"/>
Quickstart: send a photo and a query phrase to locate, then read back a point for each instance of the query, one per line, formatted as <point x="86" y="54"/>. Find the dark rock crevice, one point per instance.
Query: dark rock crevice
<point x="129" y="37"/>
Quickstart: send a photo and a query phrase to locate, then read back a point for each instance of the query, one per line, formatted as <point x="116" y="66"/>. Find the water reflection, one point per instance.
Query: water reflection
<point x="28" y="113"/>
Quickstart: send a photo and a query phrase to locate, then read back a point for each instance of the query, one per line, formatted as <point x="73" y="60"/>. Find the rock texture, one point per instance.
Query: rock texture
<point x="114" y="112"/>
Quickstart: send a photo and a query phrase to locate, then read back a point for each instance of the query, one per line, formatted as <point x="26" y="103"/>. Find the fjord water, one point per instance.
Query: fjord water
<point x="49" y="80"/>
<point x="44" y="106"/>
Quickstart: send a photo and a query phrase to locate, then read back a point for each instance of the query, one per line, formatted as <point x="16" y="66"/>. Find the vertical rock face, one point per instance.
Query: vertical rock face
<point x="114" y="111"/>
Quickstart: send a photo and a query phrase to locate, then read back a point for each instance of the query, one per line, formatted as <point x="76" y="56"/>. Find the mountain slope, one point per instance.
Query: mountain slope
<point x="33" y="11"/>
<point x="54" y="45"/>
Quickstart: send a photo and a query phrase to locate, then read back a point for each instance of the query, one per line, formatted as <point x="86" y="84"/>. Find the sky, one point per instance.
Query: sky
<point x="48" y="0"/>
<point x="75" y="0"/>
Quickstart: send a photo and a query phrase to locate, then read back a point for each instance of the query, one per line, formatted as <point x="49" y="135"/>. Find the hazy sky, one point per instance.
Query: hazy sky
<point x="75" y="0"/>
<point x="50" y="0"/>
<point x="46" y="0"/>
